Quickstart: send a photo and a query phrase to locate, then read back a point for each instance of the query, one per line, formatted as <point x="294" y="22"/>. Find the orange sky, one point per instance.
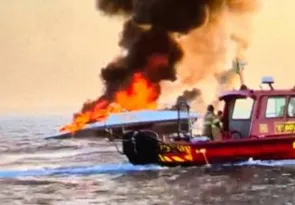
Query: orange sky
<point x="273" y="44"/>
<point x="51" y="51"/>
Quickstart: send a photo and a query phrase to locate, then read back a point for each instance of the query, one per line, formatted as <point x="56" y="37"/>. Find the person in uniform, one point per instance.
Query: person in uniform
<point x="211" y="122"/>
<point x="217" y="126"/>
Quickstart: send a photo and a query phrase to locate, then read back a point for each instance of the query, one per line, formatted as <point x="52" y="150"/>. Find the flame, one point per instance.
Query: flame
<point x="140" y="94"/>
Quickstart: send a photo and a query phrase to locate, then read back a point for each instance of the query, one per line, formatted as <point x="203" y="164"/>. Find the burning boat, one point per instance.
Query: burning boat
<point x="133" y="81"/>
<point x="257" y="124"/>
<point x="131" y="106"/>
<point x="116" y="124"/>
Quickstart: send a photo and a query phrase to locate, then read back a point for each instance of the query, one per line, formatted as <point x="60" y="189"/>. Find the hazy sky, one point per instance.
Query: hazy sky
<point x="273" y="45"/>
<point x="51" y="51"/>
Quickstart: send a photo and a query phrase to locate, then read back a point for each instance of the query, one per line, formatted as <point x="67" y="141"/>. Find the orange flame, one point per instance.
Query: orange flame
<point x="141" y="94"/>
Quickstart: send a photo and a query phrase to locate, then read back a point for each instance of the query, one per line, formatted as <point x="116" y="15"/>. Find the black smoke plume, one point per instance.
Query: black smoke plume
<point x="115" y="7"/>
<point x="142" y="45"/>
<point x="172" y="15"/>
<point x="163" y="17"/>
<point x="151" y="52"/>
<point x="146" y="45"/>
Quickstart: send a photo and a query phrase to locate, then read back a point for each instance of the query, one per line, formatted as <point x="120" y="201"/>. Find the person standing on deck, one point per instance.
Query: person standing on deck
<point x="210" y="121"/>
<point x="220" y="115"/>
<point x="217" y="126"/>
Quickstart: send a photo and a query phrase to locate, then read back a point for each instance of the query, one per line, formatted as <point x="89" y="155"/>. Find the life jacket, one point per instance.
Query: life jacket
<point x="207" y="124"/>
<point x="211" y="121"/>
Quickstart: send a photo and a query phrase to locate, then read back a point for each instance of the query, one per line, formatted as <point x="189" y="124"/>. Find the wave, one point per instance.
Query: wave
<point x="82" y="170"/>
<point x="120" y="168"/>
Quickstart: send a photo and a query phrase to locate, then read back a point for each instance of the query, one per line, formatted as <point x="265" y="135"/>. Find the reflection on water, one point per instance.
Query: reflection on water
<point x="22" y="148"/>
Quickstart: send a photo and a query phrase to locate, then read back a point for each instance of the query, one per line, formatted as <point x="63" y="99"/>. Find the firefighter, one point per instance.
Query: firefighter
<point x="217" y="126"/>
<point x="211" y="122"/>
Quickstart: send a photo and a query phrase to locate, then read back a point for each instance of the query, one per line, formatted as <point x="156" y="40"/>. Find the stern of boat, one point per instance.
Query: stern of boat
<point x="141" y="147"/>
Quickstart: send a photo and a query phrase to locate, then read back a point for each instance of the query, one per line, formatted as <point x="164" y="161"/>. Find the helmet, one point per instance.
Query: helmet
<point x="210" y="108"/>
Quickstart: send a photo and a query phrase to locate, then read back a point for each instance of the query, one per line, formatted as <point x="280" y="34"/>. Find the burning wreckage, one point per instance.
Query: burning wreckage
<point x="132" y="81"/>
<point x="164" y="121"/>
<point x="256" y="124"/>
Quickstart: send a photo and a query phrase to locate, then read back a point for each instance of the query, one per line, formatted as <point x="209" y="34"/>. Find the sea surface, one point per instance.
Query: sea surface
<point x="91" y="171"/>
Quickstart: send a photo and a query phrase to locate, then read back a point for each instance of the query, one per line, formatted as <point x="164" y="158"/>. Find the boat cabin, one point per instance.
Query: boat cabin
<point x="258" y="113"/>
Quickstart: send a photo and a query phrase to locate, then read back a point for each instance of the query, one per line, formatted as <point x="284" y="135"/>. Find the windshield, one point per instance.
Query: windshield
<point x="242" y="108"/>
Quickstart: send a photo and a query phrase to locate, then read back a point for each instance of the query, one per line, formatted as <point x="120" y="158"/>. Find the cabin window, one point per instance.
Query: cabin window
<point x="242" y="108"/>
<point x="291" y="107"/>
<point x="275" y="107"/>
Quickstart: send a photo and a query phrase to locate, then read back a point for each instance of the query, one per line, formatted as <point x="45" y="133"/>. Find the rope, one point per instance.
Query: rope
<point x="116" y="146"/>
<point x="203" y="152"/>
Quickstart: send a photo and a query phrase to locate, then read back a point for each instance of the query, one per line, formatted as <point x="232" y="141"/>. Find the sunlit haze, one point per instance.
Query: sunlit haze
<point x="51" y="51"/>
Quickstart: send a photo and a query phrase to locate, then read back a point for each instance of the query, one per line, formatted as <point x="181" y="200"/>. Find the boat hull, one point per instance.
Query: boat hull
<point x="160" y="121"/>
<point x="146" y="149"/>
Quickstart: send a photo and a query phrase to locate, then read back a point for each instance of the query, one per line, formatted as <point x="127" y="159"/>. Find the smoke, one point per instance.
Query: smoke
<point x="192" y="96"/>
<point x="115" y="7"/>
<point x="171" y="15"/>
<point x="211" y="33"/>
<point x="152" y="52"/>
<point x="210" y="49"/>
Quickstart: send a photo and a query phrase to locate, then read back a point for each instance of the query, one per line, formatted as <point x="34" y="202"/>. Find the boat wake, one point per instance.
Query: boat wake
<point x="119" y="169"/>
<point x="81" y="170"/>
<point x="268" y="163"/>
<point x="43" y="159"/>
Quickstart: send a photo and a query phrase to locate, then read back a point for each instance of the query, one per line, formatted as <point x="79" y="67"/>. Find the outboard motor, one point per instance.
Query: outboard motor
<point x="141" y="147"/>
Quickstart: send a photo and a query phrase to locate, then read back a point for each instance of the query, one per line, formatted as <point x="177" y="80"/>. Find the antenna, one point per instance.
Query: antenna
<point x="238" y="65"/>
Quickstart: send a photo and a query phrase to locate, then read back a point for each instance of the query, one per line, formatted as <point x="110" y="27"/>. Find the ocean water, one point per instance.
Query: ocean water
<point x="90" y="171"/>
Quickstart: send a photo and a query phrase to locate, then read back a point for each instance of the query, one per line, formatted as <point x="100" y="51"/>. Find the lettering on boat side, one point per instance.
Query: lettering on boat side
<point x="188" y="152"/>
<point x="284" y="127"/>
<point x="263" y="128"/>
<point x="185" y="149"/>
<point x="165" y="148"/>
<point x="181" y="148"/>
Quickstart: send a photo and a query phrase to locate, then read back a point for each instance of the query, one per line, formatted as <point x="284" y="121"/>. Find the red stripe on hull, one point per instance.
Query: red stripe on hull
<point x="232" y="151"/>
